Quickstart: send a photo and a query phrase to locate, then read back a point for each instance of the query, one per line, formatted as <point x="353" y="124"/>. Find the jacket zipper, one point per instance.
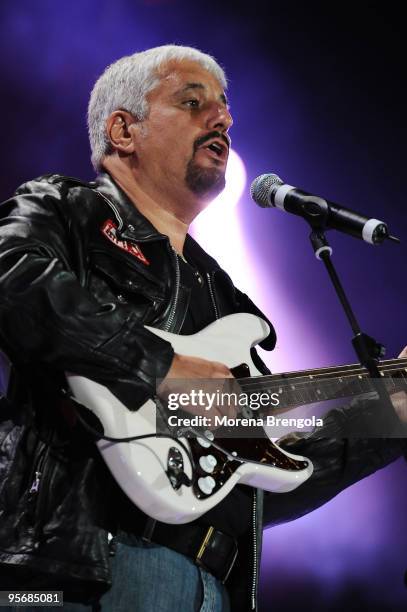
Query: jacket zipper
<point x="171" y="316"/>
<point x="36" y="492"/>
<point x="39" y="490"/>
<point x="37" y="472"/>
<point x="36" y="483"/>
<point x="255" y="556"/>
<point x="212" y="294"/>
<point x="254" y="510"/>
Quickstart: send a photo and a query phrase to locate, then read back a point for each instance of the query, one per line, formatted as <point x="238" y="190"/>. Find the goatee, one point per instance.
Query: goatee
<point x="208" y="182"/>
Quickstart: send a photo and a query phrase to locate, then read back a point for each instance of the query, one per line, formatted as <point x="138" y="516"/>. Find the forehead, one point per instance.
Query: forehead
<point x="177" y="74"/>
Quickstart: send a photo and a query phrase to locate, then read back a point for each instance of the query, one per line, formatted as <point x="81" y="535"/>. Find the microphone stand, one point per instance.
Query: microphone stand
<point x="367" y="349"/>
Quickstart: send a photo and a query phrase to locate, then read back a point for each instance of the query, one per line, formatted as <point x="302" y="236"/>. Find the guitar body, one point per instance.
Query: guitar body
<point x="141" y="467"/>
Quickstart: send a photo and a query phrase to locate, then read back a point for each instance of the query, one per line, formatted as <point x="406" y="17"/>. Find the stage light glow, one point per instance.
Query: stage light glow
<point x="225" y="202"/>
<point x="217" y="227"/>
<point x="235" y="184"/>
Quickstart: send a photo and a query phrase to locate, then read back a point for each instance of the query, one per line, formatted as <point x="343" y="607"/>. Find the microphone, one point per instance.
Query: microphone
<point x="269" y="191"/>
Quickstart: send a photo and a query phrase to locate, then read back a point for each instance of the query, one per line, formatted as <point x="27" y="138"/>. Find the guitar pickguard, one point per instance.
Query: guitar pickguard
<point x="253" y="450"/>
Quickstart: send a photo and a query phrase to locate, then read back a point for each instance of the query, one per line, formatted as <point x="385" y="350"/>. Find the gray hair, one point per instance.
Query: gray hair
<point x="125" y="85"/>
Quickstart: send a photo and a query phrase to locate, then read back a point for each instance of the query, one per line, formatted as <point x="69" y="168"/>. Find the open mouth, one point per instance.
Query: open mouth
<point x="219" y="149"/>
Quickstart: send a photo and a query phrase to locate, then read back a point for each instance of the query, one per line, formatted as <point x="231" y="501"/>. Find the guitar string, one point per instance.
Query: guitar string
<point x="332" y="371"/>
<point x="306" y="385"/>
<point x="275" y="381"/>
<point x="290" y="383"/>
<point x="306" y="382"/>
<point x="345" y="368"/>
<point x="301" y="388"/>
<point x="188" y="452"/>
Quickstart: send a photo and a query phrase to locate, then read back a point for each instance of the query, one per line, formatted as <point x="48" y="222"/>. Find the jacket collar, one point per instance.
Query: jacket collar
<point x="197" y="254"/>
<point x="137" y="227"/>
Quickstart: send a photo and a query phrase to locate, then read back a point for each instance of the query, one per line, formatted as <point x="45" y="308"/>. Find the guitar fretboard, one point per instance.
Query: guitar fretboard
<point x="311" y="386"/>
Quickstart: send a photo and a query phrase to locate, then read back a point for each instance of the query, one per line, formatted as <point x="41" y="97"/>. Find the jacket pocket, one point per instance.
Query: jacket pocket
<point x="128" y="277"/>
<point x="113" y="279"/>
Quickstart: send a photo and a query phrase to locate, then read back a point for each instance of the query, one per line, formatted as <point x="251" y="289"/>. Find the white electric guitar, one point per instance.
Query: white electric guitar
<point x="176" y="480"/>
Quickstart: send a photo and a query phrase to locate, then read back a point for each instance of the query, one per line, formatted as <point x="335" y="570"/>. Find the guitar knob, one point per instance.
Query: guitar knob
<point x="206" y="484"/>
<point x="203" y="442"/>
<point x="207" y="463"/>
<point x="209" y="435"/>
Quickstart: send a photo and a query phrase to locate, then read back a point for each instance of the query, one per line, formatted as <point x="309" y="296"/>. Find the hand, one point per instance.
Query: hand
<point x="185" y="368"/>
<point x="195" y="367"/>
<point x="399" y="399"/>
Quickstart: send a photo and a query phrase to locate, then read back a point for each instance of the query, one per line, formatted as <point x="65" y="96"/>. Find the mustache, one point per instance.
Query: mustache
<point x="215" y="134"/>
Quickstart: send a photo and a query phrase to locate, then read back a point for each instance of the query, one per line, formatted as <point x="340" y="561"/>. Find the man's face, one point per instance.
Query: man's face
<point x="183" y="142"/>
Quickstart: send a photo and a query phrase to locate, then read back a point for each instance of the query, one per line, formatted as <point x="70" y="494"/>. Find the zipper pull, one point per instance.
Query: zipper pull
<point x="36" y="483"/>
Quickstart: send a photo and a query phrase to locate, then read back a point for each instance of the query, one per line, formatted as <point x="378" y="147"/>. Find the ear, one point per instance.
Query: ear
<point x="118" y="132"/>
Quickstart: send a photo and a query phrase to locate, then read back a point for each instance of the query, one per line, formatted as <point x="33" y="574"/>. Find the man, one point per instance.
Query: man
<point x="83" y="268"/>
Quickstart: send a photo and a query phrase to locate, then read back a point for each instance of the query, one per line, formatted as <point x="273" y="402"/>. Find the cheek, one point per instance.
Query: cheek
<point x="165" y="140"/>
<point x="173" y="148"/>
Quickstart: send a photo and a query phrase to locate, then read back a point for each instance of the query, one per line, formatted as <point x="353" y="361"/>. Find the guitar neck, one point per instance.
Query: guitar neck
<point x="312" y="386"/>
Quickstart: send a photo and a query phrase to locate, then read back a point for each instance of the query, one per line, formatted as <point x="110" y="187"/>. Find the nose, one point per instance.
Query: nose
<point x="219" y="117"/>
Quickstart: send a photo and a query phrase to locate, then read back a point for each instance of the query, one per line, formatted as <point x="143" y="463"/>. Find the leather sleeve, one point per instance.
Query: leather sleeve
<point x="339" y="458"/>
<point x="47" y="316"/>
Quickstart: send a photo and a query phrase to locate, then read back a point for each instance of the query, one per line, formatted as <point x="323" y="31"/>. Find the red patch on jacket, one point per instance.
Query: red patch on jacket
<point x="109" y="230"/>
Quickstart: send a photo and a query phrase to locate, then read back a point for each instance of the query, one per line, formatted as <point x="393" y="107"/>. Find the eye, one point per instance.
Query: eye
<point x="192" y="103"/>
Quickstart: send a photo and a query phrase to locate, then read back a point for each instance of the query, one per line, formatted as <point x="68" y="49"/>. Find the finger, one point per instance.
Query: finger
<point x="399" y="401"/>
<point x="220" y="370"/>
<point x="214" y="423"/>
<point x="403" y="352"/>
<point x="289" y="439"/>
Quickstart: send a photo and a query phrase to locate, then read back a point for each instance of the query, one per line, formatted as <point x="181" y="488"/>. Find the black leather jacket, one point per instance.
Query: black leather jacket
<point x="75" y="299"/>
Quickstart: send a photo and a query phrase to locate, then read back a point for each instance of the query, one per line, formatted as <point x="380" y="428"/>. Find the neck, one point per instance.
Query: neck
<point x="311" y="386"/>
<point x="165" y="212"/>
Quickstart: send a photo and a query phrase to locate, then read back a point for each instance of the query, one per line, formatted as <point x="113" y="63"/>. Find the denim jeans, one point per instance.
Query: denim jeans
<point x="152" y="578"/>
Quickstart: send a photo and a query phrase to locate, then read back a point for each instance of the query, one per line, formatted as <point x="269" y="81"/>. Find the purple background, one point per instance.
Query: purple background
<point x="317" y="97"/>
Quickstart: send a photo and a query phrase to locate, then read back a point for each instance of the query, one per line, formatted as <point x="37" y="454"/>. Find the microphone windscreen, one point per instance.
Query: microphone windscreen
<point x="263" y="187"/>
